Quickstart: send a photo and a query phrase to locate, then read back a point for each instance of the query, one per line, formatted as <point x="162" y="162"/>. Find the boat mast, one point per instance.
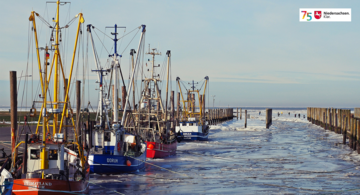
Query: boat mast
<point x="133" y="73"/>
<point x="116" y="66"/>
<point x="203" y="112"/>
<point x="148" y="81"/>
<point x="56" y="70"/>
<point x="101" y="98"/>
<point x="43" y="155"/>
<point x="167" y="84"/>
<point x="132" y="51"/>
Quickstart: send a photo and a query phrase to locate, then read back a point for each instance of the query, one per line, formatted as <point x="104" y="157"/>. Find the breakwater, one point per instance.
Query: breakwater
<point x="216" y="116"/>
<point x="341" y="121"/>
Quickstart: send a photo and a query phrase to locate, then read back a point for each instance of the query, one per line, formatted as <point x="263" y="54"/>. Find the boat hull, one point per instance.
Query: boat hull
<point x="48" y="186"/>
<point x="190" y="131"/>
<point x="194" y="136"/>
<point x="160" y="150"/>
<point x="110" y="164"/>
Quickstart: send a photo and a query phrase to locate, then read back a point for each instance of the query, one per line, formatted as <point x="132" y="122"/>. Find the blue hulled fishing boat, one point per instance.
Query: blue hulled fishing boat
<point x="192" y="125"/>
<point x="115" y="150"/>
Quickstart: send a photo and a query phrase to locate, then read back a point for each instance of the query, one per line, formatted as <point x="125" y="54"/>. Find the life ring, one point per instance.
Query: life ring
<point x="118" y="146"/>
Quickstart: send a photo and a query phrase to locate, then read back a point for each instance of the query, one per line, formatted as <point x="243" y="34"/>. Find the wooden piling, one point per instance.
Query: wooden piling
<point x="344" y="129"/>
<point x="328" y="119"/>
<point x="245" y="118"/>
<point x="172" y="113"/>
<point x="343" y="121"/>
<point x="123" y="96"/>
<point x="178" y="109"/>
<point x="215" y="116"/>
<point x="358" y="135"/>
<point x="336" y="121"/>
<point x="13" y="110"/>
<point x="201" y="105"/>
<point x="204" y="107"/>
<point x="240" y="113"/>
<point x="313" y="116"/>
<point x="351" y="134"/>
<point x="353" y="129"/>
<point x="268" y="117"/>
<point x="340" y="116"/>
<point x="24" y="165"/>
<point x="332" y="119"/>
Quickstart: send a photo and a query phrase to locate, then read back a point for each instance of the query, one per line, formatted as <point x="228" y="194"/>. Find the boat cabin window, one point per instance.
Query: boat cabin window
<point x="191" y="124"/>
<point x="34" y="154"/>
<point x="107" y="136"/>
<point x="53" y="154"/>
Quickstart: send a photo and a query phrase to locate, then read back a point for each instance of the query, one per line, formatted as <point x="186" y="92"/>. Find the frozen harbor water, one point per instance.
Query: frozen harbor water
<point x="292" y="157"/>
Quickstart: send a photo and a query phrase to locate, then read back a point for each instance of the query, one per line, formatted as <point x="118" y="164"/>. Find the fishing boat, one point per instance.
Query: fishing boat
<point x="155" y="121"/>
<point x="116" y="150"/>
<point x="51" y="162"/>
<point x="192" y="125"/>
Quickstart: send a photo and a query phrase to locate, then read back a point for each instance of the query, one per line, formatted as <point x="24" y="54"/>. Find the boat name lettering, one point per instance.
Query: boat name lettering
<point x="112" y="160"/>
<point x="187" y="133"/>
<point x="37" y="184"/>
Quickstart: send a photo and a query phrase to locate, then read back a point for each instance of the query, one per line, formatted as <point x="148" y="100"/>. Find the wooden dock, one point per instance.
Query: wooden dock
<point x="219" y="115"/>
<point x="340" y="121"/>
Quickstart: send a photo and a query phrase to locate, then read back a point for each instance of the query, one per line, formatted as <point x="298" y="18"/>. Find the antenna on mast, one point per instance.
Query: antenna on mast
<point x="193" y="85"/>
<point x="154" y="52"/>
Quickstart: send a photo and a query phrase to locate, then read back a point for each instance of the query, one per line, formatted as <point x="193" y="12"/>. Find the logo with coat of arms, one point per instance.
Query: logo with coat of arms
<point x="317" y="14"/>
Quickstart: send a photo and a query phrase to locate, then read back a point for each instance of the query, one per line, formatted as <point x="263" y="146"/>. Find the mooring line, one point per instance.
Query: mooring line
<point x="149" y="164"/>
<point x="162" y="167"/>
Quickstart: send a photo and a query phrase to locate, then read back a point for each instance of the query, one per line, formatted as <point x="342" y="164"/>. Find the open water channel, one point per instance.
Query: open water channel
<point x="292" y="157"/>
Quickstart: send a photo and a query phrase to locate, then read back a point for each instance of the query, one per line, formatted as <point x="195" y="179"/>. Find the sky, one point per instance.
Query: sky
<point x="256" y="53"/>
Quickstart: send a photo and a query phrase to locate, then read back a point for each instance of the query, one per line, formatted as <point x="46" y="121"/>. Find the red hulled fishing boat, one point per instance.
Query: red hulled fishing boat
<point x="52" y="163"/>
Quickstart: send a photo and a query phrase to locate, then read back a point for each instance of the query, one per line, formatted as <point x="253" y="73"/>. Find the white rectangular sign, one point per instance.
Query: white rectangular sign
<point x="325" y="15"/>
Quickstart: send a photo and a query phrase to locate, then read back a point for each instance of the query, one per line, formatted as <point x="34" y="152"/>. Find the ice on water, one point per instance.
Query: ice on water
<point x="292" y="157"/>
